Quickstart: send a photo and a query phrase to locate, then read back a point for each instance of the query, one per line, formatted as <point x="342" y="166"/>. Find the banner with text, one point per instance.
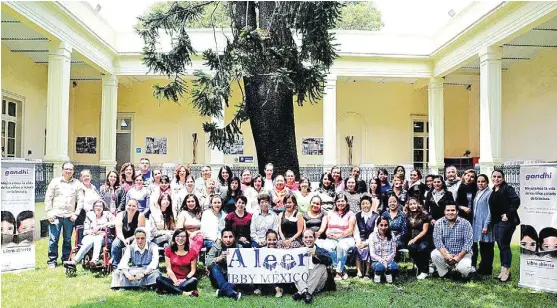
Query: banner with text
<point x="538" y="231"/>
<point x="18" y="215"/>
<point x="267" y="265"/>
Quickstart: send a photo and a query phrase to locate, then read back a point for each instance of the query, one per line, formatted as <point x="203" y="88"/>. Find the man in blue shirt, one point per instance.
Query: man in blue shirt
<point x="452" y="236"/>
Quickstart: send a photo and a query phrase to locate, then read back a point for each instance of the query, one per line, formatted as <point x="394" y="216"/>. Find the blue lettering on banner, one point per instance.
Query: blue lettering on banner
<point x="237" y="254"/>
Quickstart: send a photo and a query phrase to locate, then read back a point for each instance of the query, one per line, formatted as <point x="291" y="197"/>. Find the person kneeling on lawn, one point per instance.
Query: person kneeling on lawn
<point x="317" y="274"/>
<point x="382" y="251"/>
<point x="216" y="263"/>
<point x="181" y="265"/>
<point x="452" y="236"/>
<point x="144" y="259"/>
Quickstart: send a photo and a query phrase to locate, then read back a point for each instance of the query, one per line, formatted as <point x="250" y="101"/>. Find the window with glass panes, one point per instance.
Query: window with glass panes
<point x="420" y="141"/>
<point x="10" y="136"/>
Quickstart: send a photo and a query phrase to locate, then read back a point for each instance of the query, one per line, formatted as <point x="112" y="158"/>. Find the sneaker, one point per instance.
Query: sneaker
<point x="238" y="296"/>
<point x="366" y="277"/>
<point x="51" y="265"/>
<point x="297" y="296"/>
<point x="389" y="278"/>
<point x="377" y="279"/>
<point x="69" y="262"/>
<point x="345" y="276"/>
<point x="279" y="292"/>
<point x="338" y="276"/>
<point x="473" y="269"/>
<point x="422" y="276"/>
<point x="257" y="291"/>
<point x="217" y="293"/>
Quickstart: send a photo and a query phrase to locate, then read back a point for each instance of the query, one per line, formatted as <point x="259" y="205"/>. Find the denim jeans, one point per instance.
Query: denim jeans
<point x="64" y="226"/>
<point x="503" y="234"/>
<point x="220" y="279"/>
<point x="379" y="268"/>
<point x="116" y="251"/>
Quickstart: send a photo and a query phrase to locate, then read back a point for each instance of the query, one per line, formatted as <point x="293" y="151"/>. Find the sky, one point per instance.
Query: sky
<point x="402" y="17"/>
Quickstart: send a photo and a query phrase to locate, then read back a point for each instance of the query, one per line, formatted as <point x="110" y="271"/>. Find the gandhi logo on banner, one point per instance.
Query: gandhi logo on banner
<point x="538" y="231"/>
<point x="266" y="265"/>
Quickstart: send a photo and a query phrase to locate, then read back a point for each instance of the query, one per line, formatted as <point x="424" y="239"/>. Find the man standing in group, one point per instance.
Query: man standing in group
<point x="318" y="274"/>
<point x="452" y="180"/>
<point x="452" y="236"/>
<point x="200" y="181"/>
<point x="63" y="202"/>
<point x="144" y="166"/>
<point x="361" y="186"/>
<point x="216" y="263"/>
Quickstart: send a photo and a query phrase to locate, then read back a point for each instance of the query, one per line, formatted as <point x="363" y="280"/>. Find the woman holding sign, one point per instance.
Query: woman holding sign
<point x="503" y="206"/>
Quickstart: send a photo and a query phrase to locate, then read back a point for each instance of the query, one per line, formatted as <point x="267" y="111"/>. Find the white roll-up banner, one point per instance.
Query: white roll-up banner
<point x="538" y="229"/>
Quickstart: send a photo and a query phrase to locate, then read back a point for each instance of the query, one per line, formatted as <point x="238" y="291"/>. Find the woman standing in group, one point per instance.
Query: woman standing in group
<point x="181" y="266"/>
<point x="375" y="194"/>
<point x="253" y="192"/>
<point x="338" y="183"/>
<point x="315" y="218"/>
<point x="190" y="219"/>
<point x="383" y="176"/>
<point x="466" y="193"/>
<point x="126" y="223"/>
<point x="212" y="222"/>
<point x="278" y="193"/>
<point x="398" y="190"/>
<point x="303" y="196"/>
<point x="291" y="183"/>
<point x="326" y="191"/>
<point x="246" y="180"/>
<point x="162" y="221"/>
<point x="231" y="194"/>
<point x="109" y="191"/>
<point x="239" y="221"/>
<point x="481" y="227"/>
<point x="503" y="205"/>
<point x="428" y="186"/>
<point x="340" y="230"/>
<point x="365" y="224"/>
<point x="162" y="189"/>
<point x="224" y="178"/>
<point x="401" y="173"/>
<point x="416" y="188"/>
<point x="398" y="222"/>
<point x="352" y="195"/>
<point x="437" y="199"/>
<point x="127" y="174"/>
<point x="156" y="180"/>
<point x="187" y="189"/>
<point x="268" y="181"/>
<point x="140" y="193"/>
<point x="420" y="244"/>
<point x="207" y="191"/>
<point x="291" y="224"/>
<point x="181" y="173"/>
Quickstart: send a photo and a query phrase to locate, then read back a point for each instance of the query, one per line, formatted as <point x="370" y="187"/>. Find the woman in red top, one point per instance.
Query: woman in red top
<point x="239" y="221"/>
<point x="180" y="267"/>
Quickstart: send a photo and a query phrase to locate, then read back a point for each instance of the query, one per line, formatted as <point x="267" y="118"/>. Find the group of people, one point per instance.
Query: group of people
<point x="447" y="222"/>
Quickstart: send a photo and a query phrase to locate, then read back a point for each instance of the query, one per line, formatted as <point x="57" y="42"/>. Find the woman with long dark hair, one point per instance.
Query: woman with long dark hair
<point x="291" y="224"/>
<point x="420" y="243"/>
<point x="108" y="191"/>
<point x="481" y="227"/>
<point x="181" y="266"/>
<point x="503" y="205"/>
<point x="190" y="219"/>
<point x="239" y="221"/>
<point x="466" y="193"/>
<point x="232" y="193"/>
<point x="162" y="221"/>
<point x="326" y="191"/>
<point x="382" y="251"/>
<point x="416" y="188"/>
<point x="437" y="199"/>
<point x="224" y="177"/>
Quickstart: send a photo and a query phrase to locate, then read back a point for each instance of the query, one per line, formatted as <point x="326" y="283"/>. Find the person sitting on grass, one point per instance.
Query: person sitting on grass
<point x="144" y="258"/>
<point x="181" y="265"/>
<point x="318" y="275"/>
<point x="97" y="222"/>
<point x="217" y="266"/>
<point x="382" y="251"/>
<point x="271" y="241"/>
<point x="452" y="236"/>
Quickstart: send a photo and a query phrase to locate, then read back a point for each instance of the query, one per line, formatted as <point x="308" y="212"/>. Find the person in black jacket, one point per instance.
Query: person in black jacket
<point x="416" y="188"/>
<point x="318" y="275"/>
<point x="466" y="193"/>
<point x="437" y="198"/>
<point x="361" y="186"/>
<point x="503" y="205"/>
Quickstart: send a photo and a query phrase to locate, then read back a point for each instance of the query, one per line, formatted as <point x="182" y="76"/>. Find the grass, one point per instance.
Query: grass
<point x="46" y="288"/>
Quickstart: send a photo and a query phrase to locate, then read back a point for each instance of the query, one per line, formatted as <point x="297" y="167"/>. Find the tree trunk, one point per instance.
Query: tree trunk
<point x="271" y="115"/>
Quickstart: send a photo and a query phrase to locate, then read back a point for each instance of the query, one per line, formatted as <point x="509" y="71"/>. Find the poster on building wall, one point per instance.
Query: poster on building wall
<point x="312" y="146"/>
<point x="538" y="230"/>
<point x="86" y="145"/>
<point x="18" y="215"/>
<point x="236" y="148"/>
<point x="268" y="266"/>
<point x="155" y="145"/>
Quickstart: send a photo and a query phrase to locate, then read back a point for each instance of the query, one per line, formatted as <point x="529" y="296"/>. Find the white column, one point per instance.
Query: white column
<point x="330" y="122"/>
<point x="436" y="118"/>
<point x="490" y="108"/>
<point x="58" y="103"/>
<point x="109" y="114"/>
<point x="217" y="156"/>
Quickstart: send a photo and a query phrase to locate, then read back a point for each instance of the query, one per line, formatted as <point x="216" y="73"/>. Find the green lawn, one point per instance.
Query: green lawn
<point x="50" y="288"/>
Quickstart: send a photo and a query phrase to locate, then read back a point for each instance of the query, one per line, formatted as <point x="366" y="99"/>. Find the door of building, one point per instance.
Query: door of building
<point x="124" y="133"/>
